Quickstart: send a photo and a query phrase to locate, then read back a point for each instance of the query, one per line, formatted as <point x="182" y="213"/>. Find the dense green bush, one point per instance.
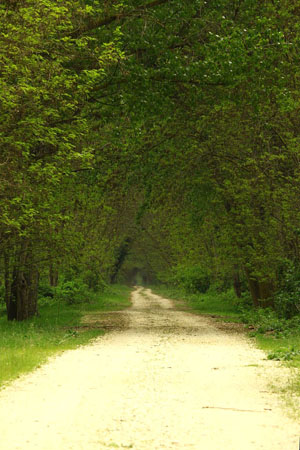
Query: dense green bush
<point x="94" y="281"/>
<point x="267" y="321"/>
<point x="45" y="290"/>
<point x="69" y="291"/>
<point x="72" y="292"/>
<point x="287" y="299"/>
<point x="214" y="302"/>
<point x="284" y="354"/>
<point x="46" y="293"/>
<point x="192" y="279"/>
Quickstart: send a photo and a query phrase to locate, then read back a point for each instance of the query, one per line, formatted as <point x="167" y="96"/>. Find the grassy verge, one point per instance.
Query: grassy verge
<point x="26" y="345"/>
<point x="212" y="303"/>
<point x="287" y="350"/>
<point x="279" y="338"/>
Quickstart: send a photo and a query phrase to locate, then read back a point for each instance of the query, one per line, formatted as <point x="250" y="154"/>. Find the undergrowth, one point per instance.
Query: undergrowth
<point x="279" y="337"/>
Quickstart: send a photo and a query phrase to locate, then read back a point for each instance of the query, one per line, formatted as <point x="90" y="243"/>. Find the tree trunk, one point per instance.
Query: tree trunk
<point x="53" y="276"/>
<point x="120" y="258"/>
<point x="261" y="291"/>
<point x="254" y="291"/>
<point x="22" y="292"/>
<point x="266" y="291"/>
<point x="7" y="279"/>
<point x="237" y="284"/>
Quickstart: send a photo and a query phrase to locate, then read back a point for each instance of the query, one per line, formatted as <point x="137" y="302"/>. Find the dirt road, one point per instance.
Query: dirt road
<point x="164" y="379"/>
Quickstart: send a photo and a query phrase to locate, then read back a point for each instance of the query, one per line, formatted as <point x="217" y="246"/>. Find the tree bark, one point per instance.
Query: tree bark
<point x="22" y="291"/>
<point x="7" y="278"/>
<point x="53" y="276"/>
<point x="266" y="291"/>
<point x="261" y="291"/>
<point x="120" y="258"/>
<point x="237" y="284"/>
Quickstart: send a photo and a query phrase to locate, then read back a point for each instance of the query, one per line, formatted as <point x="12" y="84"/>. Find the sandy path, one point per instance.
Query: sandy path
<point x="168" y="380"/>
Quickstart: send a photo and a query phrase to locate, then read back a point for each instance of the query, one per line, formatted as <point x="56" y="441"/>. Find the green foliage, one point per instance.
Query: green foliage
<point x="183" y="138"/>
<point x="211" y="302"/>
<point x="192" y="279"/>
<point x="45" y="290"/>
<point x="268" y="321"/>
<point x="94" y="281"/>
<point x="287" y="299"/>
<point x="46" y="294"/>
<point x="47" y="79"/>
<point x="284" y="354"/>
<point x="72" y="292"/>
<point x="214" y="302"/>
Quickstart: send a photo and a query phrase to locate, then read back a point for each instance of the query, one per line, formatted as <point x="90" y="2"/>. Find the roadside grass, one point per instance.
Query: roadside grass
<point x="287" y="351"/>
<point x="278" y="338"/>
<point x="26" y="345"/>
<point x="211" y="303"/>
<point x="281" y="349"/>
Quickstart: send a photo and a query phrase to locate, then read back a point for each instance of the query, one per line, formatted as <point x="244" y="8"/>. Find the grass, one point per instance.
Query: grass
<point x="281" y="349"/>
<point x="26" y="345"/>
<point x="278" y="337"/>
<point x="287" y="350"/>
<point x="212" y="303"/>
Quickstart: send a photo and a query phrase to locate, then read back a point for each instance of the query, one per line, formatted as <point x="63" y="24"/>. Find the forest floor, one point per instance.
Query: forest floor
<point x="161" y="379"/>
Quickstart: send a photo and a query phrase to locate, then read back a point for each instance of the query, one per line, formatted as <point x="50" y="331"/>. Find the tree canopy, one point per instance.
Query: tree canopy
<point x="159" y="137"/>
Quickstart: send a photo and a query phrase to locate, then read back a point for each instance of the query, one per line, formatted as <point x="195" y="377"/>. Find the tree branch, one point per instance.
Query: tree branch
<point x="93" y="25"/>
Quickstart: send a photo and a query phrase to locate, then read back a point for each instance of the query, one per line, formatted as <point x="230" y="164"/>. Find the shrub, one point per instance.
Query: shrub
<point x="192" y="279"/>
<point x="46" y="293"/>
<point x="45" y="290"/>
<point x="287" y="299"/>
<point x="94" y="281"/>
<point x="72" y="292"/>
<point x="266" y="321"/>
<point x="284" y="354"/>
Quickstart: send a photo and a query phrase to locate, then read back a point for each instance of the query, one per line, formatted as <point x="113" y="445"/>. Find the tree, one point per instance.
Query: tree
<point x="43" y="128"/>
<point x="172" y="125"/>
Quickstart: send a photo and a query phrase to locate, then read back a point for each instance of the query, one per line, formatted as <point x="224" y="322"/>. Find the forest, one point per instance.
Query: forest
<point x="150" y="142"/>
